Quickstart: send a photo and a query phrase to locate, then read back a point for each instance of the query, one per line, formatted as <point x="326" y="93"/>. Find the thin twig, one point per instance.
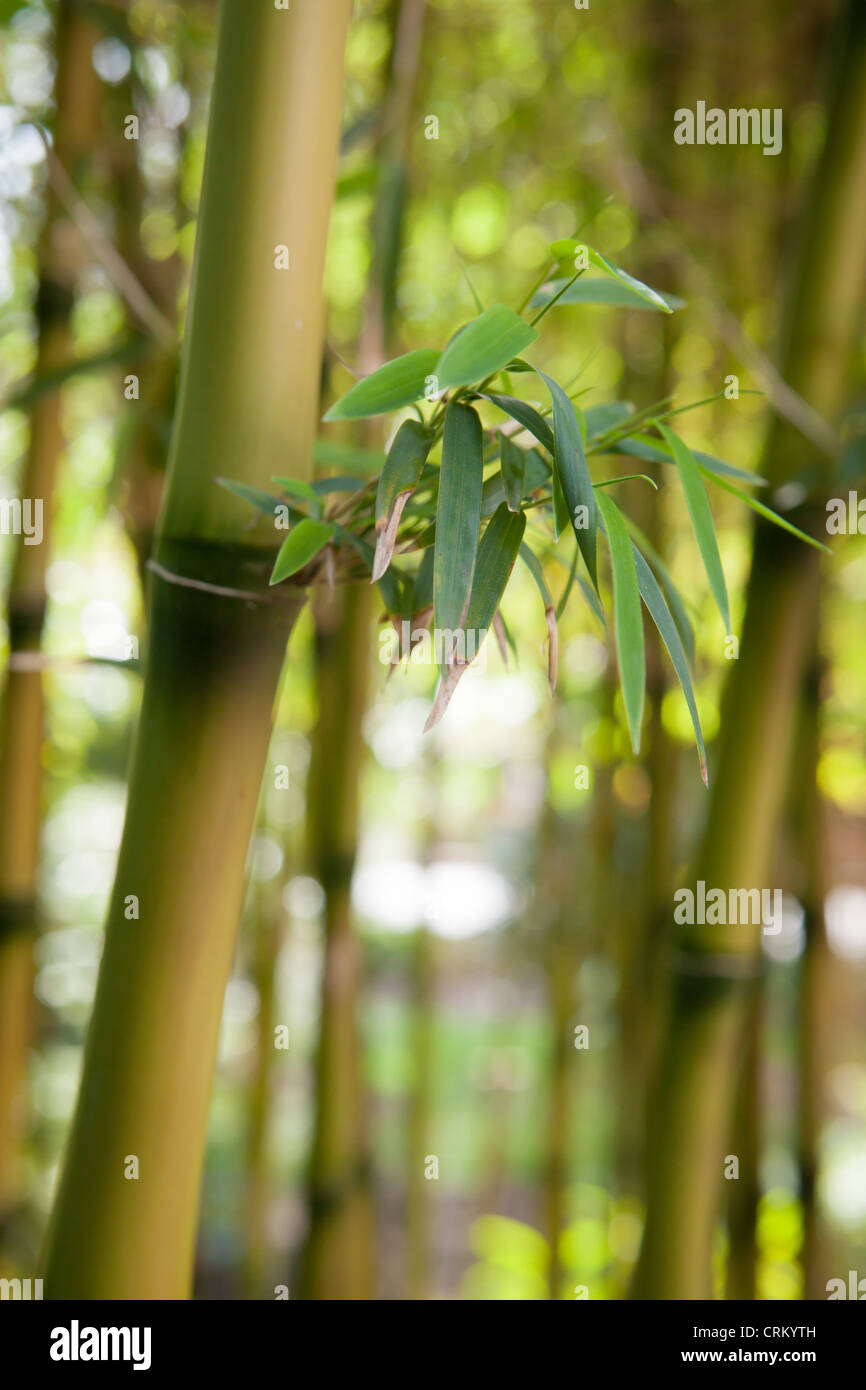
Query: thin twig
<point x="121" y="275"/>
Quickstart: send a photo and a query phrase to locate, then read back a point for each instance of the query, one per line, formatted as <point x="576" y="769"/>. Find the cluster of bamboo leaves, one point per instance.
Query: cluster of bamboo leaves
<point x="459" y="523"/>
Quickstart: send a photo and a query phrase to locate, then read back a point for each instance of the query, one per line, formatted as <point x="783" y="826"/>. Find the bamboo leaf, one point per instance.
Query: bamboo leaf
<point x="334" y="453"/>
<point x="670" y="590"/>
<point x="627" y="621"/>
<point x="304" y="491"/>
<point x="497" y="552"/>
<point x="483" y="347"/>
<point x="396" y="384"/>
<point x="255" y="496"/>
<point x="597" y="289"/>
<point x="323" y="486"/>
<point x="397" y="482"/>
<point x="525" y="415"/>
<point x="513" y="462"/>
<point x="458" y="515"/>
<point x="561" y="516"/>
<point x="568" y="250"/>
<point x="536" y="475"/>
<point x="639" y="447"/>
<point x="573" y="474"/>
<point x="422" y="596"/>
<point x="701" y="517"/>
<point x="390" y="586"/>
<point x="600" y="419"/>
<point x="661" y="616"/>
<point x="769" y="515"/>
<point x="301" y="545"/>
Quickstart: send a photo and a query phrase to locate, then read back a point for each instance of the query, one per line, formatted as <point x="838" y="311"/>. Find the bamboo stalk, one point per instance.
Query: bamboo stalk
<point x="337" y="1261"/>
<point x="267" y="914"/>
<point x="712" y="967"/>
<point x="418" y="1214"/>
<point x="21" y="731"/>
<point x="815" y="1031"/>
<point x="247" y="408"/>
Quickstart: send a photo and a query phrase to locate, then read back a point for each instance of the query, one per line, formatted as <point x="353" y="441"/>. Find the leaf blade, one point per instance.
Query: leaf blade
<point x="573" y="473"/>
<point x="658" y="610"/>
<point x="301" y="545"/>
<point x="627" y="620"/>
<point x="397" y="383"/>
<point x="397" y="481"/>
<point x="458" y="515"/>
<point x="484" y="346"/>
<point x="698" y="506"/>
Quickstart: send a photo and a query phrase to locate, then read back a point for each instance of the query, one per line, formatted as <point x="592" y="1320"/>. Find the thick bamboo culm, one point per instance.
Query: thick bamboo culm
<point x="124" y="1220"/>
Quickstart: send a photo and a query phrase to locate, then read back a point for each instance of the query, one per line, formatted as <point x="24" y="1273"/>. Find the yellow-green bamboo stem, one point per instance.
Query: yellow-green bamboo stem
<point x="247" y="408"/>
<point x="418" y="1215"/>
<point x="712" y="966"/>
<point x="21" y="729"/>
<point x="266" y="936"/>
<point x="744" y="1191"/>
<point x="561" y="953"/>
<point x="815" y="1022"/>
<point x="338" y="1259"/>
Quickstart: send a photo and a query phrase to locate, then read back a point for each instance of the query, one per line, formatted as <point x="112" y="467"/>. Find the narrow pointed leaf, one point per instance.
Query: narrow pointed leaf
<point x="600" y="419"/>
<point x="398" y="383"/>
<point x="597" y="289"/>
<point x="397" y="481"/>
<point x="639" y="447"/>
<point x="525" y="415"/>
<point x="661" y="616"/>
<point x="769" y="515"/>
<point x="323" y="486"/>
<point x="301" y="545"/>
<point x="567" y="250"/>
<point x="670" y="590"/>
<point x="702" y="519"/>
<point x="304" y="491"/>
<point x="483" y="347"/>
<point x="458" y="515"/>
<point x="422" y="596"/>
<point x="627" y="621"/>
<point x="496" y="555"/>
<point x="255" y="496"/>
<point x="335" y="454"/>
<point x="391" y="586"/>
<point x="513" y="471"/>
<point x="573" y="474"/>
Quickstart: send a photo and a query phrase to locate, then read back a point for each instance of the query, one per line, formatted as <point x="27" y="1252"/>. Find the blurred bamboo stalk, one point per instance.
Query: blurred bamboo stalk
<point x="124" y="1219"/>
<point x="21" y="732"/>
<point x="420" y="1108"/>
<point x="562" y="949"/>
<point x="744" y="1191"/>
<point x="712" y="968"/>
<point x="265" y="936"/>
<point x="338" y="1258"/>
<point x="811" y="850"/>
